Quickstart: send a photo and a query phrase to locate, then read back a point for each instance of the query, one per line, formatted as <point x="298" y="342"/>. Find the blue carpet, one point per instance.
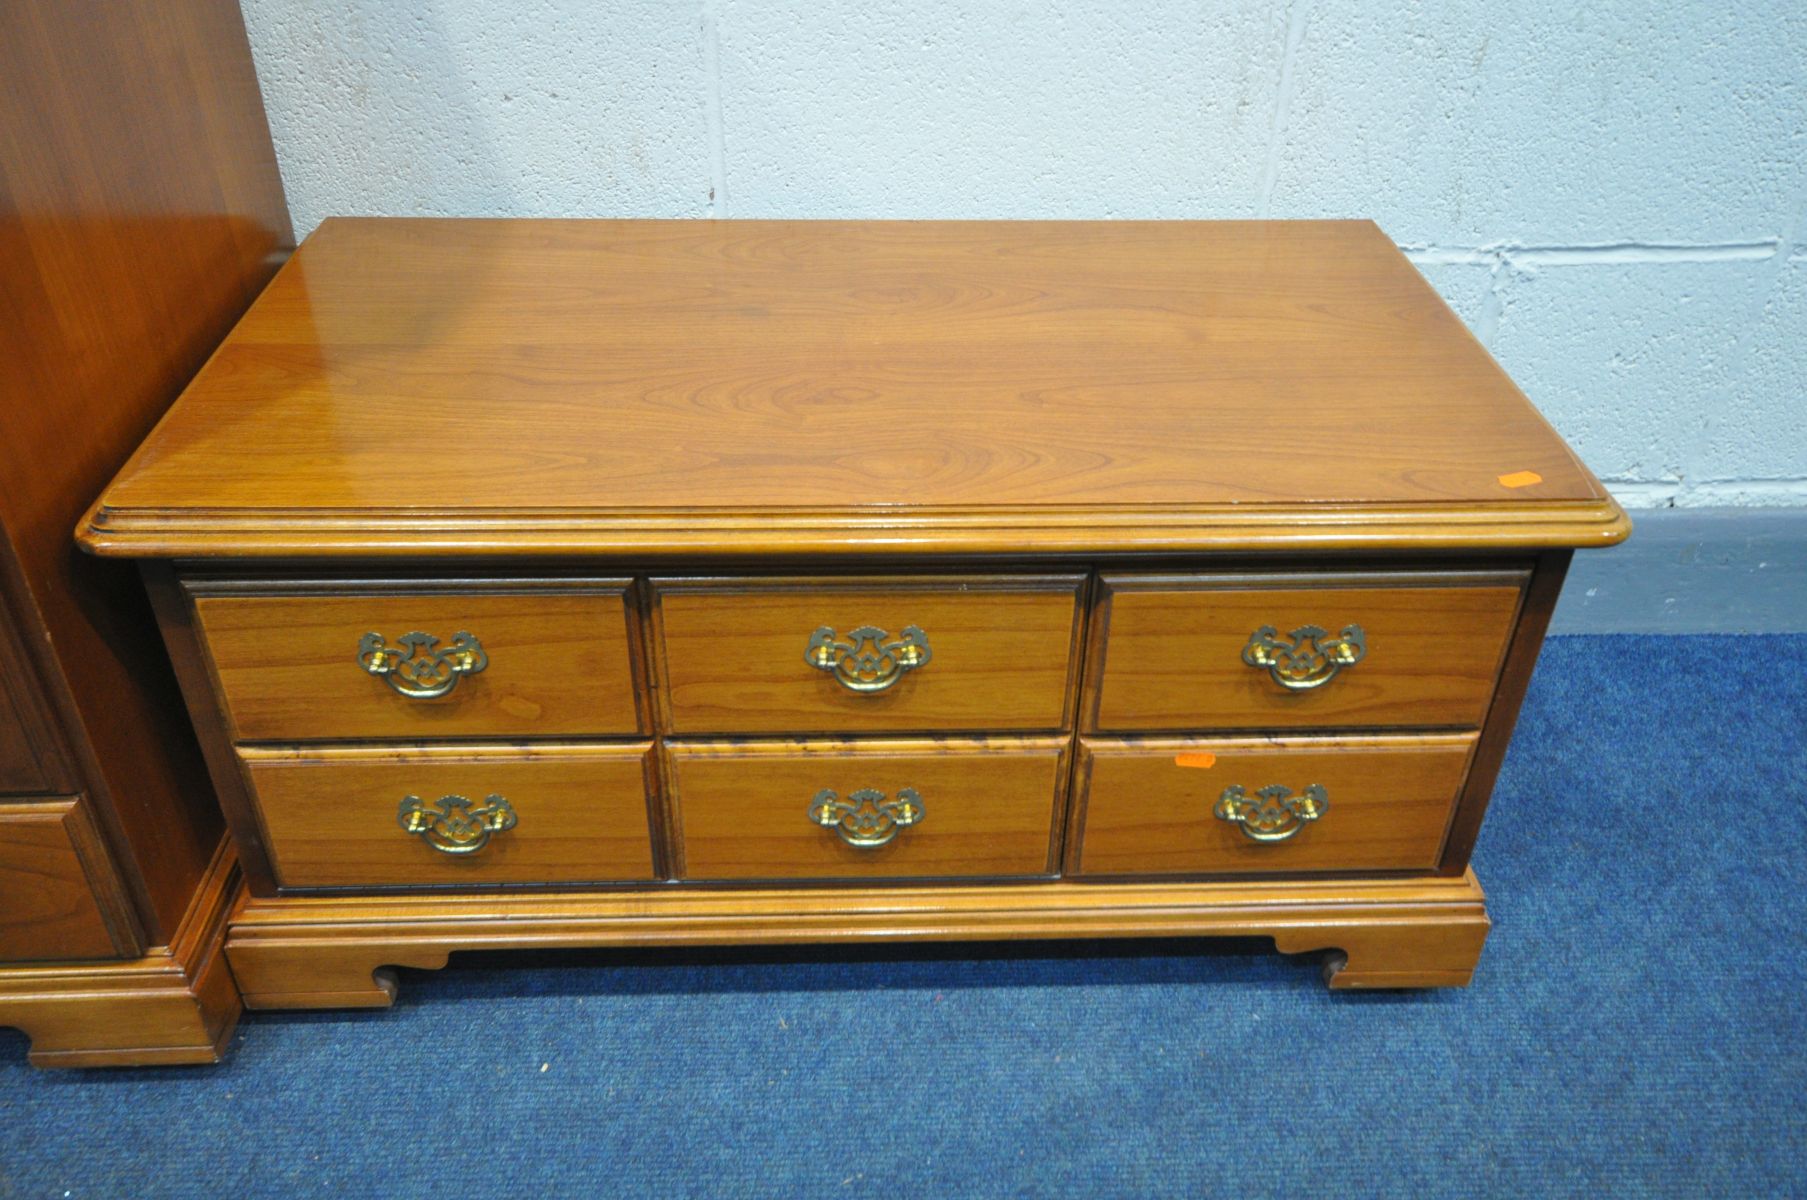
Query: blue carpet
<point x="1636" y="1028"/>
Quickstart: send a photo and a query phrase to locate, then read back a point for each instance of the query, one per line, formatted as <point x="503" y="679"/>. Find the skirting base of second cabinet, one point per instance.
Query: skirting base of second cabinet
<point x="336" y="952"/>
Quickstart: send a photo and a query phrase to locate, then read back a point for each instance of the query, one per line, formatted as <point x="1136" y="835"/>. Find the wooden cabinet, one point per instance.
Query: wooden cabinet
<point x="840" y="580"/>
<point x="140" y="212"/>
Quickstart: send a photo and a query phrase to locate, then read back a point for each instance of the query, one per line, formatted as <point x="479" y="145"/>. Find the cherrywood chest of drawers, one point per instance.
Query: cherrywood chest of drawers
<point x="594" y="583"/>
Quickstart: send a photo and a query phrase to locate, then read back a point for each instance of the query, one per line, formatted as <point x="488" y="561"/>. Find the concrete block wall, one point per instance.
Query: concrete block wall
<point x="1612" y="194"/>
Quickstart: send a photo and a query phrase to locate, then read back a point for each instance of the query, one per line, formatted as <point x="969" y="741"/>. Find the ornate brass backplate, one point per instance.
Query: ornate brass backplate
<point x="417" y="667"/>
<point x="866" y="819"/>
<point x="452" y="825"/>
<point x="1311" y="660"/>
<point x="867" y="659"/>
<point x="1273" y="814"/>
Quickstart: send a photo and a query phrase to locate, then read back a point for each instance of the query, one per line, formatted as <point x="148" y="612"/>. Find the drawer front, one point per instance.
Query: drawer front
<point x="454" y="816"/>
<point x="55" y="877"/>
<point x="872" y="656"/>
<point x="1162" y="806"/>
<point x="554" y="663"/>
<point x="856" y="812"/>
<point x="1204" y="652"/>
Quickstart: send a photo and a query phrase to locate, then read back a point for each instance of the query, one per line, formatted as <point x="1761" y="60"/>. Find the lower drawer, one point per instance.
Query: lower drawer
<point x="1162" y="806"/>
<point x="456" y="816"/>
<point x="59" y="895"/>
<point x="856" y="811"/>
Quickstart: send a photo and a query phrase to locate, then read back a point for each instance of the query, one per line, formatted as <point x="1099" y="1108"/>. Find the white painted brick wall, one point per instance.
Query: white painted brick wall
<point x="1612" y="194"/>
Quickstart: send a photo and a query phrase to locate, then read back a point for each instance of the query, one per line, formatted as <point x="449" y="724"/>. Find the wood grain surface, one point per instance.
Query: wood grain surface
<point x="22" y="765"/>
<point x="741" y="810"/>
<point x="1168" y="649"/>
<point x="1502" y="714"/>
<point x="560" y="662"/>
<point x="734" y="386"/>
<point x="1002" y="653"/>
<point x="140" y="211"/>
<point x="335" y="951"/>
<point x="330" y="814"/>
<point x="1147" y="805"/>
<point x="54" y="877"/>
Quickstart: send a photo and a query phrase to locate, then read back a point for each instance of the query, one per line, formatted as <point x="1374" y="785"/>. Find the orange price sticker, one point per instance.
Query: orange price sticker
<point x="1195" y="760"/>
<point x="1520" y="479"/>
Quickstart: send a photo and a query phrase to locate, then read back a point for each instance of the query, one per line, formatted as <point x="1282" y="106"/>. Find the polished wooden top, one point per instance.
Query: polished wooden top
<point x="820" y="387"/>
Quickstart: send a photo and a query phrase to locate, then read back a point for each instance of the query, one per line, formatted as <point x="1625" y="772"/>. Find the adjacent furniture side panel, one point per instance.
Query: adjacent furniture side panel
<point x="140" y="212"/>
<point x="31" y="756"/>
<point x="21" y="770"/>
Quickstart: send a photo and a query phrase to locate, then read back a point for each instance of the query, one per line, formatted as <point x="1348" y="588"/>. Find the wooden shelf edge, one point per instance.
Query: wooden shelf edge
<point x="288" y="533"/>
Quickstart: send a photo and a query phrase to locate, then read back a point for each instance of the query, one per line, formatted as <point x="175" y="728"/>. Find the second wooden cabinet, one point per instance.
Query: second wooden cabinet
<point x="914" y="556"/>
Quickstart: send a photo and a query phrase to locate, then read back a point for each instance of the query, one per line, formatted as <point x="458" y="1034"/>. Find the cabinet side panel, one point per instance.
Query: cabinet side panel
<point x="1502" y="715"/>
<point x="140" y="211"/>
<point x="31" y="754"/>
<point x="200" y="691"/>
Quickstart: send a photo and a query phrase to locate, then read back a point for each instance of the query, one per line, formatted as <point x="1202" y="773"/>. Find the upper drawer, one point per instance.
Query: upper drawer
<point x="1252" y="651"/>
<point x="888" y="655"/>
<point x="421" y="660"/>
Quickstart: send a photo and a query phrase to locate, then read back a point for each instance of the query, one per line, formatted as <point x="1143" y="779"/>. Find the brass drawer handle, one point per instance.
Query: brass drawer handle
<point x="452" y="826"/>
<point x="416" y="666"/>
<point x="1313" y="658"/>
<point x="866" y="819"/>
<point x="1274" y="813"/>
<point x="867" y="660"/>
